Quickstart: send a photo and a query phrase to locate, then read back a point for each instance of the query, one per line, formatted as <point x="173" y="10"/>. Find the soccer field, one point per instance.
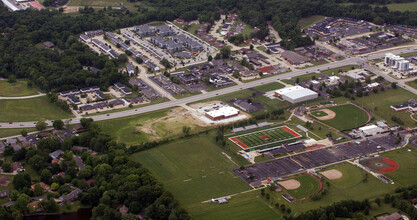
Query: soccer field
<point x="265" y="137"/>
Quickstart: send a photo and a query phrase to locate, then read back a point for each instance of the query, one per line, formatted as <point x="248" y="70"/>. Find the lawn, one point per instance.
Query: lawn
<point x="244" y="206"/>
<point x="287" y="81"/>
<point x="356" y="189"/>
<point x="193" y="169"/>
<point x="410" y="6"/>
<point x="309" y="186"/>
<point x="307" y="77"/>
<point x="319" y="113"/>
<point x="33" y="109"/>
<point x="335" y="71"/>
<point x="347" y="117"/>
<point x="351" y="176"/>
<point x="412" y="83"/>
<point x="269" y="87"/>
<point x="105" y="3"/>
<point x="380" y="103"/>
<point x="6" y="132"/>
<point x="407" y="166"/>
<point x="308" y="21"/>
<point x="18" y="88"/>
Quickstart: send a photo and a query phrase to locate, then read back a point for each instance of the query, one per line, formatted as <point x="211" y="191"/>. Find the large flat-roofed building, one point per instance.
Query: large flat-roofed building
<point x="222" y="113"/>
<point x="396" y="62"/>
<point x="294" y="58"/>
<point x="296" y="94"/>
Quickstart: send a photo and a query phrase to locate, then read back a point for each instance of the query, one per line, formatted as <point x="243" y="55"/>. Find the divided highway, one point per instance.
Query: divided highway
<point x="178" y="102"/>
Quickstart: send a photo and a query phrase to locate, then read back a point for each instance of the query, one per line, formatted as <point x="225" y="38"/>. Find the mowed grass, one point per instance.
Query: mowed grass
<point x="406" y="174"/>
<point x="16" y="89"/>
<point x="309" y="186"/>
<point x="33" y="109"/>
<point x="244" y="206"/>
<point x="412" y="83"/>
<point x="410" y="6"/>
<point x="308" y="21"/>
<point x="269" y="87"/>
<point x="307" y="77"/>
<point x="193" y="169"/>
<point x="264" y="137"/>
<point x="6" y="132"/>
<point x="356" y="189"/>
<point x="335" y="71"/>
<point x="351" y="176"/>
<point x="346" y="116"/>
<point x="319" y="113"/>
<point x="105" y="3"/>
<point x="380" y="103"/>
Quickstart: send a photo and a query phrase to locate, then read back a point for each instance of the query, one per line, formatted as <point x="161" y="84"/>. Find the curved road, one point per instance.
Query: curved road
<point x="22" y="97"/>
<point x="178" y="102"/>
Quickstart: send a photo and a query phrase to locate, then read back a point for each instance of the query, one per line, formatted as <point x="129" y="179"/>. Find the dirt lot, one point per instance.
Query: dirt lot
<point x="290" y="184"/>
<point x="332" y="174"/>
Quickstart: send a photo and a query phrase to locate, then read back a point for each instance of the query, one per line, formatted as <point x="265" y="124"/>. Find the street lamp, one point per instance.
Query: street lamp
<point x="265" y="114"/>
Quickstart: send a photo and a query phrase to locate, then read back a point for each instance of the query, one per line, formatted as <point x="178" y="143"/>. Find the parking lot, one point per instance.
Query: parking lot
<point x="285" y="166"/>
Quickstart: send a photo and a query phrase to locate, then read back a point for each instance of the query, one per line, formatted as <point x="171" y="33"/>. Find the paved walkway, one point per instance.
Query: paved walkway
<point x="23" y="97"/>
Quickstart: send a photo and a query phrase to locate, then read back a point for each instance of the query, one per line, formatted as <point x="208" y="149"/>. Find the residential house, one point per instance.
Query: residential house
<point x="4" y="193"/>
<point x="70" y="196"/>
<point x="130" y="70"/>
<point x="56" y="154"/>
<point x="4" y="181"/>
<point x="17" y="167"/>
<point x="74" y="100"/>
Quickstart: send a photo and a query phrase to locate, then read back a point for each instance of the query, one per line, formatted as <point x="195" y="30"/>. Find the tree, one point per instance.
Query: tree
<point x="58" y="124"/>
<point x="41" y="125"/>
<point x="24" y="133"/>
<point x="139" y="60"/>
<point x="54" y="186"/>
<point x="394" y="85"/>
<point x="12" y="79"/>
<point x="6" y="167"/>
<point x="166" y="63"/>
<point x="46" y="176"/>
<point x="21" y="181"/>
<point x="251" y="47"/>
<point x="225" y="52"/>
<point x="37" y="162"/>
<point x="210" y="58"/>
<point x="38" y="190"/>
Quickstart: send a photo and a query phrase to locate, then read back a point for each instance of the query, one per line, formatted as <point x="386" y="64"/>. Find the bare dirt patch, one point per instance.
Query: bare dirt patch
<point x="330" y="114"/>
<point x="332" y="174"/>
<point x="290" y="184"/>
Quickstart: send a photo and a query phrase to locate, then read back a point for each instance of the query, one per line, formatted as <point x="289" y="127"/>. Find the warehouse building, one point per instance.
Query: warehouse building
<point x="296" y="94"/>
<point x="222" y="113"/>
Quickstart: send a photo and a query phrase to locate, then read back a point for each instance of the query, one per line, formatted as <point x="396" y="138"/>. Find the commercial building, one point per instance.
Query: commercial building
<point x="222" y="112"/>
<point x="396" y="62"/>
<point x="294" y="58"/>
<point x="296" y="94"/>
<point x="371" y="130"/>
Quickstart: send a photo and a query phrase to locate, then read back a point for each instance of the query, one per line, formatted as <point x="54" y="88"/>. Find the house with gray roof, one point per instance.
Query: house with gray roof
<point x="56" y="154"/>
<point x="144" y="30"/>
<point x="164" y="30"/>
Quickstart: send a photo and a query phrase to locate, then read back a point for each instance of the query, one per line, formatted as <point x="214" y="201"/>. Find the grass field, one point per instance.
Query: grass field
<point x="351" y="176"/>
<point x="193" y="169"/>
<point x="355" y="187"/>
<point x="264" y="137"/>
<point x="410" y="6"/>
<point x="407" y="166"/>
<point x="335" y="71"/>
<point x="18" y="88"/>
<point x="307" y="77"/>
<point x="287" y="81"/>
<point x="141" y="128"/>
<point x="309" y="186"/>
<point x="380" y="105"/>
<point x="412" y="83"/>
<point x="33" y="109"/>
<point x="6" y="132"/>
<point x="105" y="3"/>
<point x="346" y="116"/>
<point x="308" y="21"/>
<point x="319" y="113"/>
<point x="244" y="206"/>
<point x="269" y="87"/>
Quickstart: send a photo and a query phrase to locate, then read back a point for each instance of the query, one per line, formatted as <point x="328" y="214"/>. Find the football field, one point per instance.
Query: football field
<point x="264" y="137"/>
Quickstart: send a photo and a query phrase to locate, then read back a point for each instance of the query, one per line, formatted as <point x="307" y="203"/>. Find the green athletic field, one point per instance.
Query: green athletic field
<point x="262" y="138"/>
<point x="193" y="169"/>
<point x="351" y="176"/>
<point x="347" y="117"/>
<point x="319" y="113"/>
<point x="309" y="186"/>
<point x="407" y="166"/>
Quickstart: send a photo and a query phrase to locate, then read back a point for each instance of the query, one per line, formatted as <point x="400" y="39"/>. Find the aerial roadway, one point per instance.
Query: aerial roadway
<point x="348" y="61"/>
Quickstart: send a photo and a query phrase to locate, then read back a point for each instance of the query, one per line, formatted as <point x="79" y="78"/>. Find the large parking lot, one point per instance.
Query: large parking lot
<point x="285" y="166"/>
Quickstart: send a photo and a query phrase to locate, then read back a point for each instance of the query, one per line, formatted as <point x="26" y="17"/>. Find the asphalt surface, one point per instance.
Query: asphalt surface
<point x="179" y="102"/>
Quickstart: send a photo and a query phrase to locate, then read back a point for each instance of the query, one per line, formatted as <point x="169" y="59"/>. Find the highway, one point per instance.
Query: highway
<point x="179" y="102"/>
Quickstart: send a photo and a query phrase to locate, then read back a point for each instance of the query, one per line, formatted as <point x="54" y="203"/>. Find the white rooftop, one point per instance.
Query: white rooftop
<point x="223" y="111"/>
<point x="371" y="129"/>
<point x="295" y="92"/>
